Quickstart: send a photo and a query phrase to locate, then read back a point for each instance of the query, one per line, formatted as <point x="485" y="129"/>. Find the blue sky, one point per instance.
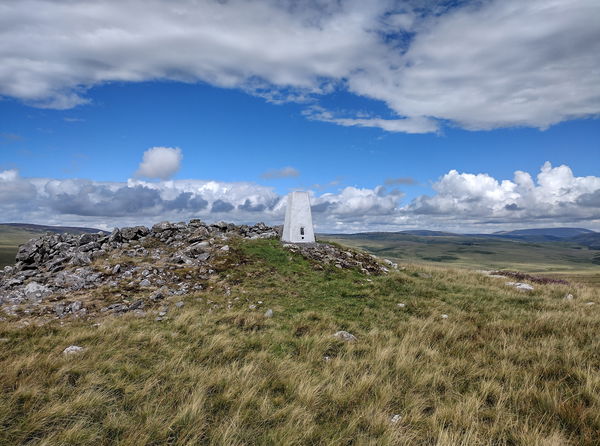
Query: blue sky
<point x="426" y="133"/>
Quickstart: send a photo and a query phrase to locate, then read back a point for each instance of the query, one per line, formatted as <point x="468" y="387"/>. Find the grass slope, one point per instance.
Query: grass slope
<point x="505" y="367"/>
<point x="563" y="258"/>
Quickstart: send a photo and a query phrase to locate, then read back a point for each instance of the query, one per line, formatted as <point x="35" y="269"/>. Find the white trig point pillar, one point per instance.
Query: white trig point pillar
<point x="298" y="227"/>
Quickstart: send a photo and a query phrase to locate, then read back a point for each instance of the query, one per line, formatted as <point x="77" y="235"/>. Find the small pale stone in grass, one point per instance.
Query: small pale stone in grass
<point x="590" y="303"/>
<point x="326" y="358"/>
<point x="568" y="297"/>
<point x="179" y="304"/>
<point x="71" y="349"/>
<point x="269" y="313"/>
<point x="520" y="286"/>
<point x="345" y="336"/>
<point x="252" y="306"/>
<point x="401" y="305"/>
<point x="444" y="316"/>
<point x="395" y="418"/>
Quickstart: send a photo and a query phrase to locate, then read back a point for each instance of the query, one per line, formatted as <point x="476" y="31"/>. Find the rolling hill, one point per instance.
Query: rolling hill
<point x="575" y="253"/>
<point x="263" y="343"/>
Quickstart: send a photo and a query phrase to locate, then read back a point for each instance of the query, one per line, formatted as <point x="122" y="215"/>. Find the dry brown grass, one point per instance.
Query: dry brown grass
<point x="505" y="367"/>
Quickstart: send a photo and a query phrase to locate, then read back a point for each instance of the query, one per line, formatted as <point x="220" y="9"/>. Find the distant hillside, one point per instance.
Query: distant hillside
<point x="56" y="229"/>
<point x="591" y="240"/>
<point x="428" y="233"/>
<point x="558" y="233"/>
<point x="538" y="250"/>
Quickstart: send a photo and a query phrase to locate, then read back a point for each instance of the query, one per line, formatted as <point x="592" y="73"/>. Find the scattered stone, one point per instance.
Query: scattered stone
<point x="401" y="305"/>
<point x="444" y="316"/>
<point x="80" y="259"/>
<point x="520" y="286"/>
<point x="159" y="294"/>
<point x="180" y="304"/>
<point x="531" y="278"/>
<point x="395" y="418"/>
<point x="345" y="336"/>
<point x="36" y="291"/>
<point x="137" y="305"/>
<point x="568" y="297"/>
<point x="53" y="267"/>
<point x="72" y="349"/>
<point x="115" y="308"/>
<point x="590" y="303"/>
<point x="326" y="358"/>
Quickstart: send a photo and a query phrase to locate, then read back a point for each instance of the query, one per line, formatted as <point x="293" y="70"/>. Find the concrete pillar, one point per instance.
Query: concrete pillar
<point x="298" y="227"/>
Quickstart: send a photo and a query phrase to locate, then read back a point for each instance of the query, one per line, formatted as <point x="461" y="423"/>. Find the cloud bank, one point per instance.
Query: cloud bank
<point x="461" y="202"/>
<point x="477" y="65"/>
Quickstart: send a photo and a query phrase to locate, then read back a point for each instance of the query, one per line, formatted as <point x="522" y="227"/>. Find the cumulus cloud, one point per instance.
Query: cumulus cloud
<point x="479" y="65"/>
<point x="286" y="172"/>
<point x="461" y="202"/>
<point x="160" y="162"/>
<point x="556" y="196"/>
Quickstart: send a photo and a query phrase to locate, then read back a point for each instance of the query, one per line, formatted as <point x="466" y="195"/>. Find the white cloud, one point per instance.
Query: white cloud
<point x="417" y="124"/>
<point x="462" y="202"/>
<point x="481" y="65"/>
<point x="285" y="172"/>
<point x="160" y="162"/>
<point x="556" y="196"/>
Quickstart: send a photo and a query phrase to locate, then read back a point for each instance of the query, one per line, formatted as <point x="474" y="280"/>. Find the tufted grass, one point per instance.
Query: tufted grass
<point x="505" y="368"/>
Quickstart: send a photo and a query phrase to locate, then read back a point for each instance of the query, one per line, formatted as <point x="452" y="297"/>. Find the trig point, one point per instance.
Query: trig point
<point x="298" y="227"/>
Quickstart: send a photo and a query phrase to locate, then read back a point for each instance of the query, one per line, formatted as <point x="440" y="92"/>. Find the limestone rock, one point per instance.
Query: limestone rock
<point x="73" y="349"/>
<point x="520" y="286"/>
<point x="345" y="336"/>
<point x="35" y="291"/>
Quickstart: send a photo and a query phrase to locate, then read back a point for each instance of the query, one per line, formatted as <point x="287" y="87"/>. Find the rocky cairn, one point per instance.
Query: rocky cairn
<point x="132" y="269"/>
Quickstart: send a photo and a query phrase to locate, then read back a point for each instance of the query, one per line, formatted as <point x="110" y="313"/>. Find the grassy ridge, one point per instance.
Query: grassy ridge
<point x="505" y="367"/>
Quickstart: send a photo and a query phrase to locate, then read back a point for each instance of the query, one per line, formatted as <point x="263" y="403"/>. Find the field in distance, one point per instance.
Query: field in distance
<point x="573" y="255"/>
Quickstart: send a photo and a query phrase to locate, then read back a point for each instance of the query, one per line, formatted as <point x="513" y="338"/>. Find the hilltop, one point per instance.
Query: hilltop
<point x="220" y="334"/>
